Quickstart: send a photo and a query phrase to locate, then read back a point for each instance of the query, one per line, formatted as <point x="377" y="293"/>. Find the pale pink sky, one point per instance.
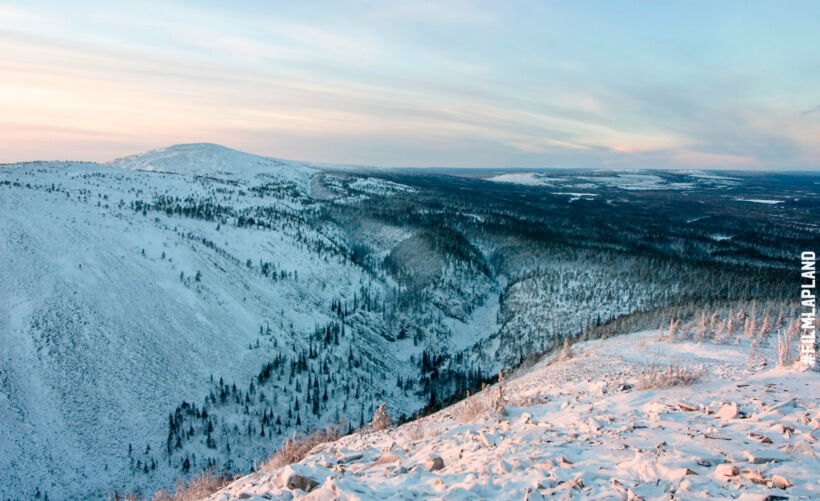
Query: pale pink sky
<point x="534" y="84"/>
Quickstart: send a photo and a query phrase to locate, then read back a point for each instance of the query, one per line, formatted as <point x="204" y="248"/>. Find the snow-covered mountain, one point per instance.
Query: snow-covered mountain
<point x="190" y="307"/>
<point x="213" y="160"/>
<point x="133" y="287"/>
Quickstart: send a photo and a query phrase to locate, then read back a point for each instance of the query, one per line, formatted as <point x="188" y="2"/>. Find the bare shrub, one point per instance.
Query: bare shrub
<point x="198" y="487"/>
<point x="498" y="401"/>
<point x="472" y="409"/>
<point x="490" y="402"/>
<point x="381" y="419"/>
<point x="674" y="331"/>
<point x="786" y="355"/>
<point x="703" y="326"/>
<point x="756" y="356"/>
<point x="656" y="377"/>
<point x="415" y="431"/>
<point x="566" y="351"/>
<point x="297" y="448"/>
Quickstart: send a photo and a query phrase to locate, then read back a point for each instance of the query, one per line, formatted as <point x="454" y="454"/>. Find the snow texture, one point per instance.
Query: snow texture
<point x="580" y="429"/>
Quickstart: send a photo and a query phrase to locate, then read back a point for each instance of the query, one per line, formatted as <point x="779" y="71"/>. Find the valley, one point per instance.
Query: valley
<point x="189" y="308"/>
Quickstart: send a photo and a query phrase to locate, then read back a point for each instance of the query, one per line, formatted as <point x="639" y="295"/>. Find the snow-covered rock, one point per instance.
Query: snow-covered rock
<point x="581" y="443"/>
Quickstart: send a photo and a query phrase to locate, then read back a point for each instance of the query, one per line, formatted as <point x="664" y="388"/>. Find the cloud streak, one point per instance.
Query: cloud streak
<point x="419" y="83"/>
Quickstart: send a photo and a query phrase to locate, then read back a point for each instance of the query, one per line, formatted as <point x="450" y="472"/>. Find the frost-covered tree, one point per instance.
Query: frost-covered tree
<point x="381" y="419"/>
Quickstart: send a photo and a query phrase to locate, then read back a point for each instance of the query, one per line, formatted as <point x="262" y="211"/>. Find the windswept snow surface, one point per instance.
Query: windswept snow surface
<point x="206" y="159"/>
<point x="580" y="429"/>
<point x="525" y="178"/>
<point x="625" y="180"/>
<point x="760" y="201"/>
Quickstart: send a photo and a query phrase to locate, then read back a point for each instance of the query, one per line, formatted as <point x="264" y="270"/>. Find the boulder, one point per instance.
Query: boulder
<point x="434" y="463"/>
<point x="294" y="480"/>
<point x="686" y="407"/>
<point x="763" y="439"/>
<point x="755" y="477"/>
<point x="728" y="411"/>
<point x="727" y="470"/>
<point x="781" y="482"/>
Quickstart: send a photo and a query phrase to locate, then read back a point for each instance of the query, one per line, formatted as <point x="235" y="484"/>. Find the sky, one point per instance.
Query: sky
<point x="622" y="84"/>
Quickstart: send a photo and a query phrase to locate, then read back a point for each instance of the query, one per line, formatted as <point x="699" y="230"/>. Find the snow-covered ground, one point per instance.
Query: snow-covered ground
<point x="583" y="428"/>
<point x="525" y="178"/>
<point x="625" y="180"/>
<point x="760" y="201"/>
<point x="128" y="289"/>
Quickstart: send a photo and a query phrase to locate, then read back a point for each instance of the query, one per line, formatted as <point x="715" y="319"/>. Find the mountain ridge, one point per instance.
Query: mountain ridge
<point x="156" y="323"/>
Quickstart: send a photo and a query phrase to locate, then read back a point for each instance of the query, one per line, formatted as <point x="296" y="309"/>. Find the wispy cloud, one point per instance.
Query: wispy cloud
<point x="811" y="111"/>
<point x="408" y="83"/>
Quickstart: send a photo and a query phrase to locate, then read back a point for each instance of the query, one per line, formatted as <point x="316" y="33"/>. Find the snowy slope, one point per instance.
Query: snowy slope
<point x="107" y="328"/>
<point x="128" y="289"/>
<point x="584" y="428"/>
<point x="206" y="159"/>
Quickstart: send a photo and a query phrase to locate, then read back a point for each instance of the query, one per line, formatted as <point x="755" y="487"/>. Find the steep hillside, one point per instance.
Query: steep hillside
<point x="632" y="417"/>
<point x="119" y="310"/>
<point x="136" y="293"/>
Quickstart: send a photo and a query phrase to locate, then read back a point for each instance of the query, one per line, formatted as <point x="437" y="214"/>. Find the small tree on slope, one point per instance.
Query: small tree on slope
<point x="381" y="420"/>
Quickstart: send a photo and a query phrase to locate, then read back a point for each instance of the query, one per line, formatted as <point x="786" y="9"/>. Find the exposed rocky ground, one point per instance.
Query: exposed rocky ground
<point x="594" y="426"/>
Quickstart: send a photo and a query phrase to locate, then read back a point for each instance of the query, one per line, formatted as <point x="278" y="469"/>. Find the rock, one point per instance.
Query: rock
<point x="631" y="496"/>
<point x="728" y="411"/>
<point x="593" y="424"/>
<point x="779" y="409"/>
<point x="781" y="428"/>
<point x="295" y="481"/>
<point x="349" y="458"/>
<point x="801" y="448"/>
<point x="576" y="483"/>
<point x="727" y="470"/>
<point x="755" y="477"/>
<point x="564" y="462"/>
<point x="790" y="403"/>
<point x="781" y="482"/>
<point x="763" y="439"/>
<point x="484" y="440"/>
<point x="386" y="458"/>
<point x="395" y="470"/>
<point x="617" y="485"/>
<point x="533" y="495"/>
<point x="758" y="459"/>
<point x="686" y="407"/>
<point x="678" y="474"/>
<point x="434" y="463"/>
